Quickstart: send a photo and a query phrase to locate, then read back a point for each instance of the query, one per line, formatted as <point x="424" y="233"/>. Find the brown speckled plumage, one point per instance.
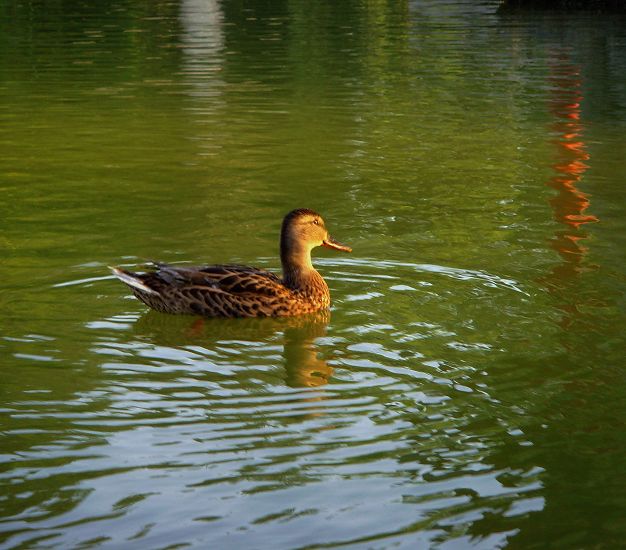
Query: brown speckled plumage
<point x="242" y="291"/>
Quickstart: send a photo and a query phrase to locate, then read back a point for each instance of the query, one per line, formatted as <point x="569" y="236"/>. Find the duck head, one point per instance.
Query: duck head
<point x="302" y="231"/>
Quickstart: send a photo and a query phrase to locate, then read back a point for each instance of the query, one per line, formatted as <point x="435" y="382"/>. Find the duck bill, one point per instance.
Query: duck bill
<point x="329" y="242"/>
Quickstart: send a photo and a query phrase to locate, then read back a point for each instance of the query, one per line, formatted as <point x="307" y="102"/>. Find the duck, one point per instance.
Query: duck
<point x="244" y="291"/>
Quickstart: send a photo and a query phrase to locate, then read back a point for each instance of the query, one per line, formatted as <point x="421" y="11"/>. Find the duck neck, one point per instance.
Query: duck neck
<point x="297" y="267"/>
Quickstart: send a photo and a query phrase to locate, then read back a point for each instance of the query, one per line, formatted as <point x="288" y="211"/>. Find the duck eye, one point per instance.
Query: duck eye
<point x="316" y="222"/>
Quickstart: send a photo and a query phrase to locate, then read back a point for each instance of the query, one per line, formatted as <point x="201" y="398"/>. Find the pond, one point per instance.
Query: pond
<point x="466" y="388"/>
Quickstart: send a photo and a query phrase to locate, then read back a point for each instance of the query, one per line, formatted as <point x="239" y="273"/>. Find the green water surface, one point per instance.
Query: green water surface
<point x="468" y="389"/>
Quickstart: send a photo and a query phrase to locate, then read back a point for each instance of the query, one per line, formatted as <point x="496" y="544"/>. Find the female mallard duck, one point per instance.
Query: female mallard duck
<point x="241" y="291"/>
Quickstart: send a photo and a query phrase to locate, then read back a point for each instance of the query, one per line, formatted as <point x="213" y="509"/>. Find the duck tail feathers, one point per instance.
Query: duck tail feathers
<point x="132" y="280"/>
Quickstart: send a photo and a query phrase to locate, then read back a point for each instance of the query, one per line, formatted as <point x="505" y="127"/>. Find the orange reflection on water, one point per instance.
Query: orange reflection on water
<point x="570" y="203"/>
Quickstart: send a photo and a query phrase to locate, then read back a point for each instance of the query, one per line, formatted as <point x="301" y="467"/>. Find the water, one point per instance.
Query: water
<point x="466" y="389"/>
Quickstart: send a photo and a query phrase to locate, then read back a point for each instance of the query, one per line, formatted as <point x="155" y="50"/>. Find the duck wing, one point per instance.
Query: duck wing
<point x="212" y="290"/>
<point x="229" y="278"/>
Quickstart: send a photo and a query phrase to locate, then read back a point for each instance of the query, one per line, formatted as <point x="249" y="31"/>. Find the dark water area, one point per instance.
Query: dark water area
<point x="466" y="390"/>
<point x="598" y="6"/>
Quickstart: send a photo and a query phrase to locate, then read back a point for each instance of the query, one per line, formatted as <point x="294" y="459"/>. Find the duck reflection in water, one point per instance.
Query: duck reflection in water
<point x="301" y="360"/>
<point x="303" y="365"/>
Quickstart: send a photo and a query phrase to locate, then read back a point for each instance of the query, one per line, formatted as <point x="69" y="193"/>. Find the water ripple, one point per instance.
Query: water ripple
<point x="469" y="375"/>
